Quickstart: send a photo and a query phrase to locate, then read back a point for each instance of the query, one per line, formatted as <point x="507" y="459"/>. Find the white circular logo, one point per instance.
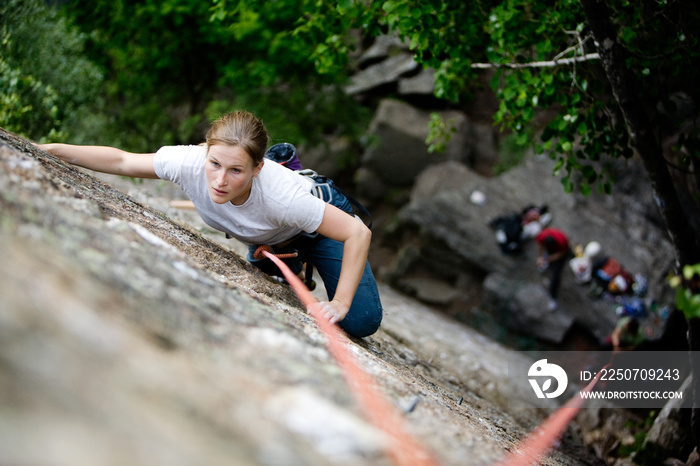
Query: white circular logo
<point x="540" y="376"/>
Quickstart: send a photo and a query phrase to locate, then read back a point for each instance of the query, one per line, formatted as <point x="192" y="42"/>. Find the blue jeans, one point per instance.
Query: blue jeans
<point x="326" y="255"/>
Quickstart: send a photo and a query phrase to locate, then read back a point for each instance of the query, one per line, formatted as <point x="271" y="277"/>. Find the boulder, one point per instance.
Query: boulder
<point x="398" y="152"/>
<point x="422" y="84"/>
<point x="328" y="158"/>
<point x="433" y="180"/>
<point x="385" y="72"/>
<point x="522" y="305"/>
<point x="670" y="435"/>
<point x="382" y="48"/>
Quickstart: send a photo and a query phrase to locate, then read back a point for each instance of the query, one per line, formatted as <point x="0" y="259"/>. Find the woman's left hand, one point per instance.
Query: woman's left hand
<point x="333" y="311"/>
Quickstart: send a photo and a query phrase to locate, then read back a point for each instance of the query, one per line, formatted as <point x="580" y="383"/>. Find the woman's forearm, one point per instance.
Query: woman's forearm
<point x="104" y="159"/>
<point x="98" y="158"/>
<point x="356" y="238"/>
<point x="355" y="251"/>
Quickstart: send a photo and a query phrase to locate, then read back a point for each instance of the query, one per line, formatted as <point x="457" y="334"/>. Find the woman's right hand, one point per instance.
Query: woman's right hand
<point x="52" y="148"/>
<point x="44" y="147"/>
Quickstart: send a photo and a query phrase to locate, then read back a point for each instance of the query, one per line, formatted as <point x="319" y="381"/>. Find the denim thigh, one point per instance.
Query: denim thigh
<point x="365" y="314"/>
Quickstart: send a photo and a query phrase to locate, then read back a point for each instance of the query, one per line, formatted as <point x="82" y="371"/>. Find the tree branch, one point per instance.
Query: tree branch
<point x="539" y="64"/>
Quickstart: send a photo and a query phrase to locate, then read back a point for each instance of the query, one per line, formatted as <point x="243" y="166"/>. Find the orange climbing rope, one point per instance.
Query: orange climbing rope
<point x="402" y="447"/>
<point x="542" y="438"/>
<point x="259" y="253"/>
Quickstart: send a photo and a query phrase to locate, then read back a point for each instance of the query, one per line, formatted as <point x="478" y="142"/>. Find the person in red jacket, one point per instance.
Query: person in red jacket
<point x="553" y="253"/>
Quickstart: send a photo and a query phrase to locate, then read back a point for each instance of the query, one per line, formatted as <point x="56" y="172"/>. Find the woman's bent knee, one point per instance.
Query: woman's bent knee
<point x="362" y="323"/>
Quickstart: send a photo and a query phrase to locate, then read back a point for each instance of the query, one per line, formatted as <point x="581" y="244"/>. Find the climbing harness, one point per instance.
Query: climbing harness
<point x="259" y="253"/>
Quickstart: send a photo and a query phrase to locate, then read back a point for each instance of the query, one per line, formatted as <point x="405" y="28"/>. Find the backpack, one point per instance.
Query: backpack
<point x="509" y="230"/>
<point x="286" y="155"/>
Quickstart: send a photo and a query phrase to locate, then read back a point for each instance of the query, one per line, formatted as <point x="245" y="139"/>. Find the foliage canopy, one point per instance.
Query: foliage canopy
<point x="139" y="75"/>
<point x="45" y="82"/>
<point x="178" y="64"/>
<point x="540" y="56"/>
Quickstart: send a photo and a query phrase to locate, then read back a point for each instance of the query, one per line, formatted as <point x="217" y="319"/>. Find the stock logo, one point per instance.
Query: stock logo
<point x="543" y="372"/>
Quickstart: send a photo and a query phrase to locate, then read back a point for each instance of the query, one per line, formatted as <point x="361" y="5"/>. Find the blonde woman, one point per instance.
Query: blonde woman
<point x="259" y="202"/>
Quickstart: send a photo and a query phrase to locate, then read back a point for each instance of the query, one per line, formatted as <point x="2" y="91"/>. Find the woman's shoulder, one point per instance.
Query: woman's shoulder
<point x="279" y="174"/>
<point x="182" y="151"/>
<point x="270" y="166"/>
<point x="282" y="186"/>
<point x="174" y="162"/>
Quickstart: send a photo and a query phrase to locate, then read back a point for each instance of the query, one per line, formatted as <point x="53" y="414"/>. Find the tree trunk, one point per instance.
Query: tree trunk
<point x="694" y="346"/>
<point x="644" y="139"/>
<point x="643" y="135"/>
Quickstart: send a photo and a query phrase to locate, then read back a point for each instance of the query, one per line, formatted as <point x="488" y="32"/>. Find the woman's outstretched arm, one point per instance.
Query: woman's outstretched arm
<point x="104" y="159"/>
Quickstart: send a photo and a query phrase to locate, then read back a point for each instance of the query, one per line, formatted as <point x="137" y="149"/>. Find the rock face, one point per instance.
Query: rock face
<point x="128" y="338"/>
<point x="133" y="334"/>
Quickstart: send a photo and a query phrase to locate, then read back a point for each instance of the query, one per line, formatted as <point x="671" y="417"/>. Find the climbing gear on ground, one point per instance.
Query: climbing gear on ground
<point x="509" y="230"/>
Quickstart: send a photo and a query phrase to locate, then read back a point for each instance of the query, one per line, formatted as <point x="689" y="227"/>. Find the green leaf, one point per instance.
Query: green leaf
<point x="558" y="166"/>
<point x="674" y="281"/>
<point x="567" y="184"/>
<point x="690" y="270"/>
<point x="344" y="4"/>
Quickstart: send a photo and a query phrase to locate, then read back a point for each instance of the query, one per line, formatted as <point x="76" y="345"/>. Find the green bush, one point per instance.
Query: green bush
<point x="46" y="84"/>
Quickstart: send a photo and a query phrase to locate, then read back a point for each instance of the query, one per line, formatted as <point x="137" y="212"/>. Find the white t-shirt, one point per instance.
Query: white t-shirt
<point x="280" y="205"/>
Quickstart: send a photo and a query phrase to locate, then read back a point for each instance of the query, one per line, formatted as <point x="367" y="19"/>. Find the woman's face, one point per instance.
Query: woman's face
<point x="230" y="172"/>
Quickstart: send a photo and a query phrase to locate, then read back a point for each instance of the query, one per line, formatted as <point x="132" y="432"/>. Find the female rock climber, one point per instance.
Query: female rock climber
<point x="259" y="202"/>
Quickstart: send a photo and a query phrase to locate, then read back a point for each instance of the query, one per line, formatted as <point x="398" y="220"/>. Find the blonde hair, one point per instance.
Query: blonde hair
<point x="242" y="129"/>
